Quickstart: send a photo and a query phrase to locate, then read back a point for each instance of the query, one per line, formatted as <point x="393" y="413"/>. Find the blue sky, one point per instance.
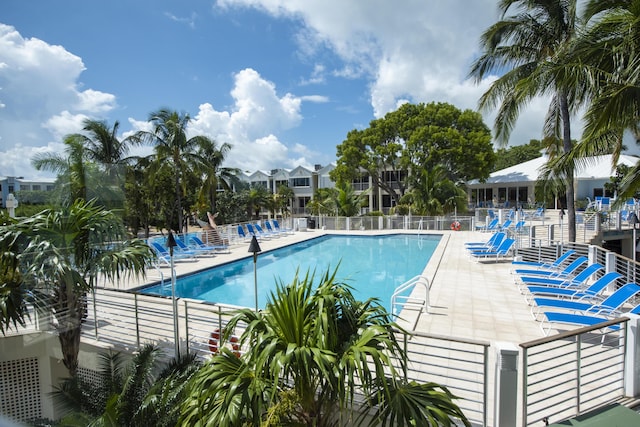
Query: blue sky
<point x="282" y="81"/>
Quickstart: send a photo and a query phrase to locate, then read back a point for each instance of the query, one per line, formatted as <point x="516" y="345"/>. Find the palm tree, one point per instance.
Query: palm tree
<point x="72" y="166"/>
<point x="56" y="257"/>
<point x="605" y="61"/>
<point x="257" y="198"/>
<point x="434" y="193"/>
<point x="211" y="158"/>
<point x="530" y="46"/>
<point x="169" y="135"/>
<point x="347" y="202"/>
<point x="309" y="354"/>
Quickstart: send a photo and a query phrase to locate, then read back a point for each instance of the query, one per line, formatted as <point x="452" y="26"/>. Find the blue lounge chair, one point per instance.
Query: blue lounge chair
<point x="217" y="248"/>
<point x="571" y="282"/>
<point x="491" y="226"/>
<point x="502" y="251"/>
<point x="505" y="225"/>
<point x="552" y="318"/>
<point x="574" y="292"/>
<point x="276" y="225"/>
<point x="183" y="248"/>
<point x="493" y="242"/>
<point x="163" y="255"/>
<point x="608" y="306"/>
<point x="242" y="234"/>
<point x="568" y="271"/>
<point x="270" y="229"/>
<point x="252" y="232"/>
<point x="554" y="265"/>
<point x="265" y="234"/>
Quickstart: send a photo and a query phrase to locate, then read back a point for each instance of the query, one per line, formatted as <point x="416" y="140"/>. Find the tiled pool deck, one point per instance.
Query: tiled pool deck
<point x="468" y="299"/>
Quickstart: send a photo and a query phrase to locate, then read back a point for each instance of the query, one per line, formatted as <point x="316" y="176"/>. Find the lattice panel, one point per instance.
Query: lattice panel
<point x="90" y="376"/>
<point x="20" y="389"/>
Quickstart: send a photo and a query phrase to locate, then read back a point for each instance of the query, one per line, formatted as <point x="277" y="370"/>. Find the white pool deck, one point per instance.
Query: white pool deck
<point x="468" y="299"/>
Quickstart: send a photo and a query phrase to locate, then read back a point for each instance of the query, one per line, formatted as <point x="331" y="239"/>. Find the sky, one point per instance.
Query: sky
<point x="281" y="81"/>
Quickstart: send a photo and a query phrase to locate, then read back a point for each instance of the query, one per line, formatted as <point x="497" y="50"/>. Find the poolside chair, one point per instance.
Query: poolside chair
<point x="262" y="233"/>
<point x="552" y="318"/>
<point x="505" y="225"/>
<point x="553" y="265"/>
<point x="242" y="234"/>
<point x="216" y="248"/>
<point x="538" y="214"/>
<point x="502" y="251"/>
<point x="164" y="256"/>
<point x="608" y="306"/>
<point x="276" y="225"/>
<point x="570" y="292"/>
<point x="270" y="229"/>
<point x="519" y="227"/>
<point x="565" y="272"/>
<point x="492" y="226"/>
<point x="495" y="239"/>
<point x="575" y="282"/>
<point x="183" y="248"/>
<point x="489" y="226"/>
<point x="253" y="232"/>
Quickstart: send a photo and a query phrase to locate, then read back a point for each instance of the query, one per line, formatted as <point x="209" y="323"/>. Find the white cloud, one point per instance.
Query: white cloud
<point x="40" y="91"/>
<point x="410" y="50"/>
<point x="257" y="115"/>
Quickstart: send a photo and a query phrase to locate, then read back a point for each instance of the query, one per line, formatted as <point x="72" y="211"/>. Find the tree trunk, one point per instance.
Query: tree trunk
<point x="69" y="310"/>
<point x="568" y="146"/>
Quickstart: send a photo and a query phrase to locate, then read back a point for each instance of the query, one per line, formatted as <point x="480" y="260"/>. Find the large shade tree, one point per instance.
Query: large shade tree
<point x="398" y="147"/>
<point x="526" y="48"/>
<point x="54" y="259"/>
<point x="314" y="356"/>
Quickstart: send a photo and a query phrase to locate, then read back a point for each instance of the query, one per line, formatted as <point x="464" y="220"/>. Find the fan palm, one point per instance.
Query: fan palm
<point x="72" y="165"/>
<point x="56" y="257"/>
<point x="531" y="46"/>
<point x="314" y="357"/>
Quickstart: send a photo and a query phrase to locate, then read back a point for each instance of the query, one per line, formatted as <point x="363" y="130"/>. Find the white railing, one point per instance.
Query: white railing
<point x="406" y="297"/>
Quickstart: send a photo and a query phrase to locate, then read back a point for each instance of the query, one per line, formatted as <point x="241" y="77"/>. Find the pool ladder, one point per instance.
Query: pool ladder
<point x="402" y="297"/>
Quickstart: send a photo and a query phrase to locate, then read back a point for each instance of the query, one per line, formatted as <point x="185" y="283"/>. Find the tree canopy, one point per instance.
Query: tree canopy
<point x="395" y="149"/>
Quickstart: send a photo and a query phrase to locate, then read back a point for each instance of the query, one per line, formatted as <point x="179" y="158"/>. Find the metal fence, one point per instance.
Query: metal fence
<point x="573" y="372"/>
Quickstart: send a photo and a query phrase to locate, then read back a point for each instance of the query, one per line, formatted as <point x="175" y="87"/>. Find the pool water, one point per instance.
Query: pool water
<point x="373" y="265"/>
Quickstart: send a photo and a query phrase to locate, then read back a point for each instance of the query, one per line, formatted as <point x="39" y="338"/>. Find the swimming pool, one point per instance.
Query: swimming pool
<point x="373" y="265"/>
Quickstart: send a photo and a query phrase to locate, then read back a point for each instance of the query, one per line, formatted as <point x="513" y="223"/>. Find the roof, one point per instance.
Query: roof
<point x="598" y="167"/>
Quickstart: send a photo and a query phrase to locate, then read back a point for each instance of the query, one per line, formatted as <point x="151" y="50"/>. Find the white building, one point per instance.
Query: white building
<point x="12" y="184"/>
<point x="515" y="185"/>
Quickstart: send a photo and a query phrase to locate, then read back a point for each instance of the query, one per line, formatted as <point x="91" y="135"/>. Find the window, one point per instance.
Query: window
<point x="11" y="189"/>
<point x="300" y="182"/>
<point x="36" y="187"/>
<point x="24" y="187"/>
<point x="49" y="187"/>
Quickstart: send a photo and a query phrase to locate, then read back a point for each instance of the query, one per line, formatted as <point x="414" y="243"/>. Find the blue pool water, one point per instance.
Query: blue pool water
<point x="373" y="265"/>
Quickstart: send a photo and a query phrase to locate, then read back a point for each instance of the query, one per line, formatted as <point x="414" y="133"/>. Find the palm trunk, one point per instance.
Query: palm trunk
<point x="70" y="309"/>
<point x="178" y="195"/>
<point x="568" y="146"/>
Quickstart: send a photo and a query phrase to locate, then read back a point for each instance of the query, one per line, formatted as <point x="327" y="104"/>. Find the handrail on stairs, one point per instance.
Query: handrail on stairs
<point x="404" y="296"/>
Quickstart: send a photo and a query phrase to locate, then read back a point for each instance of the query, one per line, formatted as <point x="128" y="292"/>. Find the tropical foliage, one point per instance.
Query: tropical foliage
<point x="54" y="259"/>
<point x="138" y="391"/>
<point x="315" y="356"/>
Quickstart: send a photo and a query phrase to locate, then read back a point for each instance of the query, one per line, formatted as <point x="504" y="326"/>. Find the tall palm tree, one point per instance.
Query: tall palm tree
<point x="257" y="198"/>
<point x="211" y="158"/>
<point x="169" y="136"/>
<point x="56" y="256"/>
<point x="103" y="146"/>
<point x="71" y="165"/>
<point x="606" y="60"/>
<point x="310" y="356"/>
<point x="528" y="48"/>
<point x="347" y="202"/>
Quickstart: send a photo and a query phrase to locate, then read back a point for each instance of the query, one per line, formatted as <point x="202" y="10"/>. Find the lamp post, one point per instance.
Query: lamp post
<point x="254" y="248"/>
<point x="633" y="220"/>
<point x="171" y="243"/>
